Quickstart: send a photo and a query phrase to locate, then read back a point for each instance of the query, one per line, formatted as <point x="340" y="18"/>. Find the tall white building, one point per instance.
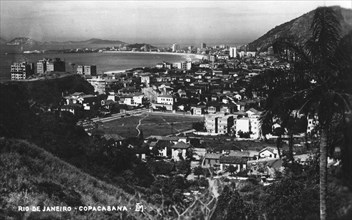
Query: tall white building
<point x="251" y="124"/>
<point x="175" y="47"/>
<point x="233" y="52"/>
<point x="218" y="123"/>
<point x="183" y="65"/>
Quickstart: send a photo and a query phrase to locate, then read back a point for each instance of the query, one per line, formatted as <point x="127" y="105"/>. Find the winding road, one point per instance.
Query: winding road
<point x="140" y="123"/>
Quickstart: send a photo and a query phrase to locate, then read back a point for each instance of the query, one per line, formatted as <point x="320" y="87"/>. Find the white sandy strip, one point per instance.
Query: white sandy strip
<point x="188" y="55"/>
<point x="115" y="71"/>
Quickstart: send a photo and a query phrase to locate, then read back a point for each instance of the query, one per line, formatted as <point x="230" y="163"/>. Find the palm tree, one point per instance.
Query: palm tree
<point x="324" y="96"/>
<point x="280" y="105"/>
<point x="317" y="84"/>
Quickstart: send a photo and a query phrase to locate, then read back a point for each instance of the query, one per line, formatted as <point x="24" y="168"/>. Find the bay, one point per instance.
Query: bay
<point x="103" y="61"/>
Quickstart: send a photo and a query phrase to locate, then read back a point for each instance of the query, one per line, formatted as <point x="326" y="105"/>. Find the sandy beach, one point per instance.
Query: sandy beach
<point x="186" y="55"/>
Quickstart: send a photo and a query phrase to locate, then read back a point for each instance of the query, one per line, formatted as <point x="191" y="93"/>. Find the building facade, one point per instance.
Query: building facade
<point x="219" y="123"/>
<point x="90" y="70"/>
<point x="41" y="66"/>
<point x="20" y="71"/>
<point x="80" y="69"/>
<point x="165" y="99"/>
<point x="55" y="65"/>
<point x="175" y="47"/>
<point x="233" y="52"/>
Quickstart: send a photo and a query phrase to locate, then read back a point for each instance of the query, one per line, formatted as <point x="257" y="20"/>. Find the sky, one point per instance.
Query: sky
<point x="155" y="22"/>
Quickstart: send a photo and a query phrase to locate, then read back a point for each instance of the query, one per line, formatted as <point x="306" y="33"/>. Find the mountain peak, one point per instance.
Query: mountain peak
<point x="299" y="29"/>
<point x="22" y="41"/>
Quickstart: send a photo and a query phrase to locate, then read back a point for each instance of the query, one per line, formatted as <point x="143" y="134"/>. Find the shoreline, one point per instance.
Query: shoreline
<point x="196" y="56"/>
<point x="186" y="55"/>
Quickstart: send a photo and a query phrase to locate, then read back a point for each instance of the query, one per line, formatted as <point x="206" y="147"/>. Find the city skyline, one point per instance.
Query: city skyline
<point x="152" y="22"/>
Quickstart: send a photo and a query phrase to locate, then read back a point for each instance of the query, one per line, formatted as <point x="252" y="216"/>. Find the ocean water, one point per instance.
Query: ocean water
<point x="103" y="61"/>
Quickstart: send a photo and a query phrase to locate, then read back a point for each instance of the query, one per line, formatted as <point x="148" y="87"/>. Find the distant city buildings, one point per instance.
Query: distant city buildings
<point x="203" y="46"/>
<point x="20" y="71"/>
<point x="50" y="65"/>
<point x="87" y="70"/>
<point x="183" y="65"/>
<point x="165" y="65"/>
<point x="175" y="47"/>
<point x="41" y="66"/>
<point x="56" y="65"/>
<point x="233" y="52"/>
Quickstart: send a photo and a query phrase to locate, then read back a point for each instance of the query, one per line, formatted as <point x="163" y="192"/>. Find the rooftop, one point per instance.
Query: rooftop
<point x="181" y="145"/>
<point x="232" y="160"/>
<point x="212" y="156"/>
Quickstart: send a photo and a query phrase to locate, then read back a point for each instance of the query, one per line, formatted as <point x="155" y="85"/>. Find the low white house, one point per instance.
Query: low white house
<point x="179" y="150"/>
<point x="112" y="96"/>
<point x="269" y="152"/>
<point x="238" y="162"/>
<point x="132" y="100"/>
<point x="165" y="99"/>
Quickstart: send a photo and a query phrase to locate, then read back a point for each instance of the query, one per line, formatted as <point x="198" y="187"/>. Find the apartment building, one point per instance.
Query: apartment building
<point x="87" y="70"/>
<point x="55" y="65"/>
<point x="41" y="66"/>
<point x="219" y="123"/>
<point x="20" y="71"/>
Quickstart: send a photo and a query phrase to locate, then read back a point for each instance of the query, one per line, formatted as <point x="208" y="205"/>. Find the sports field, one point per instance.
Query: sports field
<point x="150" y="124"/>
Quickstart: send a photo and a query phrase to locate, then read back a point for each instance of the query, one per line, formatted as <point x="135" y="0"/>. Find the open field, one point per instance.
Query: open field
<point x="151" y="124"/>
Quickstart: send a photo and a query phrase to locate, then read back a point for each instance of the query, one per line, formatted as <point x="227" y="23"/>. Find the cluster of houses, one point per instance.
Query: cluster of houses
<point x="79" y="102"/>
<point x="214" y="88"/>
<point x="218" y="156"/>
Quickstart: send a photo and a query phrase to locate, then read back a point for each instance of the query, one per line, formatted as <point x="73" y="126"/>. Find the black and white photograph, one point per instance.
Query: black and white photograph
<point x="185" y="110"/>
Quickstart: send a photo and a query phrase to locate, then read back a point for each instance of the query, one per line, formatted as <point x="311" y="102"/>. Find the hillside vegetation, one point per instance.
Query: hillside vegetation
<point x="299" y="29"/>
<point x="30" y="176"/>
<point x="50" y="91"/>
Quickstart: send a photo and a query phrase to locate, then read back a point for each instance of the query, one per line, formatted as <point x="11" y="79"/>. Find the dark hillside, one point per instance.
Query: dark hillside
<point x="49" y="92"/>
<point x="30" y="176"/>
<point x="299" y="29"/>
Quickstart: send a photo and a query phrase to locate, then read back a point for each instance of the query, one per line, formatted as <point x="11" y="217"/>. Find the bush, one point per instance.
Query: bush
<point x="203" y="182"/>
<point x="248" y="187"/>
